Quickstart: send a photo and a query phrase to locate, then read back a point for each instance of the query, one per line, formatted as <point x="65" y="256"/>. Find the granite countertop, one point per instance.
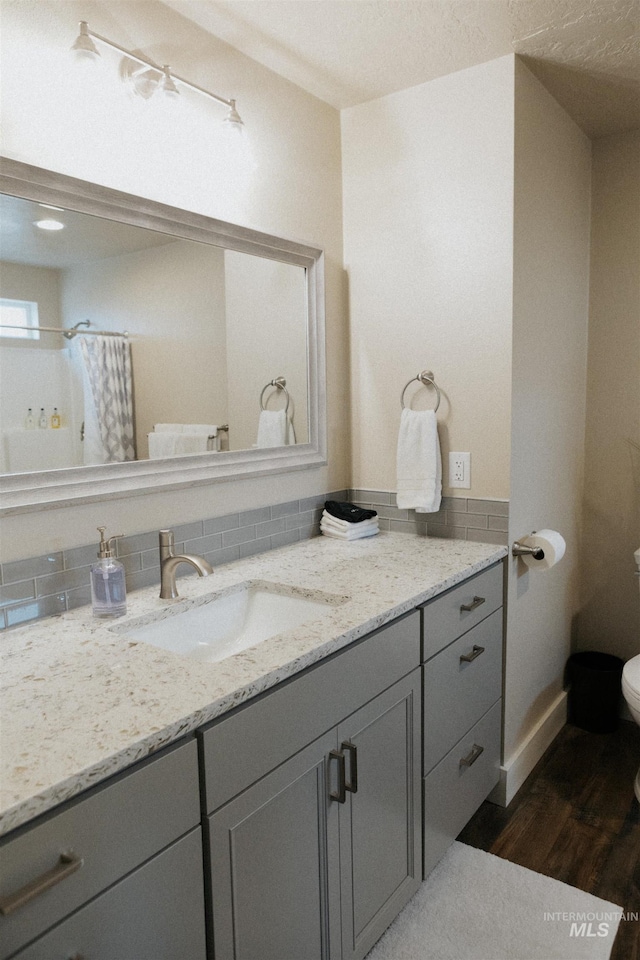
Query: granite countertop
<point x="80" y="700"/>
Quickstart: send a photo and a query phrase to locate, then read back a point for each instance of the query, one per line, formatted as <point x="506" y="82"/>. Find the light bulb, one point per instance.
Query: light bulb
<point x="49" y="224"/>
<point x="167" y="86"/>
<point x="233" y="121"/>
<point x="84" y="49"/>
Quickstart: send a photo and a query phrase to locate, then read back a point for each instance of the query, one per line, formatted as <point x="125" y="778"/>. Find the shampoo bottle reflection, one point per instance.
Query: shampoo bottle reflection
<point x="55" y="419"/>
<point x="42" y="422"/>
<point x="108" y="587"/>
<point x="29" y="423"/>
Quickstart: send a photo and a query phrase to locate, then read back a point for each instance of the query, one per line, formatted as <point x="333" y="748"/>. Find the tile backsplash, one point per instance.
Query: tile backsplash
<point x="41" y="586"/>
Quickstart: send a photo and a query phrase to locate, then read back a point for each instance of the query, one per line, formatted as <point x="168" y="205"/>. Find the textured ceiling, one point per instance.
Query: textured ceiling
<point x="586" y="52"/>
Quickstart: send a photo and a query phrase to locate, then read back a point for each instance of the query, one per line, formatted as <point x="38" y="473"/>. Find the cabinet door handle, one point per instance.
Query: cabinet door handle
<point x="66" y="865"/>
<point x="475" y="653"/>
<point x="352" y="750"/>
<point x="340" y="794"/>
<point x="471" y="758"/>
<point x="476" y="602"/>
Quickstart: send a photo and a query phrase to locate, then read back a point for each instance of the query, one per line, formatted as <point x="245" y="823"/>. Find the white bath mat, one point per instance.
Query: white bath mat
<point x="475" y="906"/>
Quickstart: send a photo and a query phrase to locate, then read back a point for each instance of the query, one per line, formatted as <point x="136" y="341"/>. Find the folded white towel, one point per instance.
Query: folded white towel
<point x="274" y="429"/>
<point x="419" y="462"/>
<point x="211" y="429"/>
<point x="345" y="526"/>
<point x="330" y="531"/>
<point x="164" y="444"/>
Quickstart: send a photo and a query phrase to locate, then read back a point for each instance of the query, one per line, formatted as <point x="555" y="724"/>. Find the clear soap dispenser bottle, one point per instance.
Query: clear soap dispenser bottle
<point x="108" y="587"/>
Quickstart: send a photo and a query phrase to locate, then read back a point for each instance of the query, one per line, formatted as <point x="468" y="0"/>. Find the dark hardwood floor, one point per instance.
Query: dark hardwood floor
<point x="577" y="819"/>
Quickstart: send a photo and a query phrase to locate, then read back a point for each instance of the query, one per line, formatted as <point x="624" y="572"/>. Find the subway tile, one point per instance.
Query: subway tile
<point x="301" y="519"/>
<point x="309" y="530"/>
<point x="372" y="496"/>
<point x="78" y="597"/>
<point x="80" y="556"/>
<point x="204" y="545"/>
<point x="3" y="622"/>
<point x="150" y="558"/>
<point x="499" y="523"/>
<point x="219" y="524"/>
<point x="285" y="538"/>
<point x="393" y="513"/>
<point x="143" y="578"/>
<point x="271" y="527"/>
<point x="476" y="520"/>
<point x="243" y="534"/>
<point x="488" y="536"/>
<point x="131" y="564"/>
<point x="497" y="508"/>
<point x="253" y="547"/>
<point x="459" y="504"/>
<point x="255" y="516"/>
<point x="408" y="526"/>
<point x="285" y="509"/>
<point x="218" y="558"/>
<point x="36" y="567"/>
<point x="315" y="503"/>
<point x="137" y="543"/>
<point x="59" y="582"/>
<point x="35" y="609"/>
<point x="189" y="531"/>
<point x="440" y="516"/>
<point x="444" y="531"/>
<point x="14" y="592"/>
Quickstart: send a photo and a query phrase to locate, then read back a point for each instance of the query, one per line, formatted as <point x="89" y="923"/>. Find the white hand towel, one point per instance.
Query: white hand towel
<point x="344" y="526"/>
<point x="211" y="429"/>
<point x="329" y="531"/>
<point x="162" y="445"/>
<point x="272" y="429"/>
<point x="419" y="462"/>
<point x="187" y="443"/>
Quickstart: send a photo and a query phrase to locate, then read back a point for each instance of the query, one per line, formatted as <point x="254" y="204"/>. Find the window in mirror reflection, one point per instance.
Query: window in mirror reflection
<point x="207" y="329"/>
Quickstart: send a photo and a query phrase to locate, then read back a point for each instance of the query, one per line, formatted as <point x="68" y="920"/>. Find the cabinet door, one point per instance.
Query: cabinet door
<point x="274" y="864"/>
<point x="156" y="913"/>
<point x="380" y="822"/>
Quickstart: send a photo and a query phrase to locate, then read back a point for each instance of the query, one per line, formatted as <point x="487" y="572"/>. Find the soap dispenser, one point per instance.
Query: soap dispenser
<point x="108" y="587"/>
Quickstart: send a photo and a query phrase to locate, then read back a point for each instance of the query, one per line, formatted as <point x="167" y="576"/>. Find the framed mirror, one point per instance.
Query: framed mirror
<point x="146" y="347"/>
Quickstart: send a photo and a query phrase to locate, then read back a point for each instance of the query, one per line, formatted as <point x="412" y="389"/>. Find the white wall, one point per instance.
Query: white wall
<point x="609" y="617"/>
<point x="94" y="130"/>
<point x="550" y="317"/>
<point x="428" y="193"/>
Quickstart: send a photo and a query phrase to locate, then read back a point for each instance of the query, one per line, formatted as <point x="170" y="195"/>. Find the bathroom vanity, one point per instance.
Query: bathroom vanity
<point x="320" y="774"/>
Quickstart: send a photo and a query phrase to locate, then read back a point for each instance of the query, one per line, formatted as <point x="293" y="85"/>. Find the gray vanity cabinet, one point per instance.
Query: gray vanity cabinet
<point x="125" y="859"/>
<point x="320" y="845"/>
<point x="462" y="706"/>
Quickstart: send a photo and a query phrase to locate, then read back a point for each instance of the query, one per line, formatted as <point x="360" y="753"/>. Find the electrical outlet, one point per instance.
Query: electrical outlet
<point x="460" y="470"/>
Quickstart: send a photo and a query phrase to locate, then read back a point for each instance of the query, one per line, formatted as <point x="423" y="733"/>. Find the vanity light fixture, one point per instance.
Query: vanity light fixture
<point x="152" y="79"/>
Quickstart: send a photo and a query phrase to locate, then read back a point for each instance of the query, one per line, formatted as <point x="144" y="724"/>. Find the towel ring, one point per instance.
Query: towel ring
<point x="281" y="384"/>
<point x="426" y="378"/>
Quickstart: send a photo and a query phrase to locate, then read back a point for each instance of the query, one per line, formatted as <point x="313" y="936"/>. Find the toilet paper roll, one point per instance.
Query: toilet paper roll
<point x="553" y="545"/>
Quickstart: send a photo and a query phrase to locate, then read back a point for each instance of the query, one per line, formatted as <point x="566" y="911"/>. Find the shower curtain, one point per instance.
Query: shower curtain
<point x="108" y="399"/>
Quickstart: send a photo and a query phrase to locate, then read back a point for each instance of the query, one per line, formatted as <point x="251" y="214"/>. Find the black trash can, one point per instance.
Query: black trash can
<point x="595" y="690"/>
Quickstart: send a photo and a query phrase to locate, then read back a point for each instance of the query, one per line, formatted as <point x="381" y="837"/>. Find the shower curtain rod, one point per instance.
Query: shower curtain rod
<point x="69" y="334"/>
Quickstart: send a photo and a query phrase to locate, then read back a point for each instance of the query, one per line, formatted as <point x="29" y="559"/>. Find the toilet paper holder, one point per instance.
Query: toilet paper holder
<point x="522" y="550"/>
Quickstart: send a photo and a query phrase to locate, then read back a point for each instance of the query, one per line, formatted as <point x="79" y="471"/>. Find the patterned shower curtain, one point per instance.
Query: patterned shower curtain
<point x="108" y="400"/>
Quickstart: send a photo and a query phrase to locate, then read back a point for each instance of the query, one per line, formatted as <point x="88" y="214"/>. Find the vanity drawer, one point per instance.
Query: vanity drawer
<point x="158" y="911"/>
<point x="454" y="791"/>
<point x="457" y="692"/>
<point x="111" y="830"/>
<point x="445" y="619"/>
<point x="246" y="745"/>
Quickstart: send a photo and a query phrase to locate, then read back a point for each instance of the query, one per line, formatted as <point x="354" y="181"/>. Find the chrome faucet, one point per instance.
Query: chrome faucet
<point x="169" y="561"/>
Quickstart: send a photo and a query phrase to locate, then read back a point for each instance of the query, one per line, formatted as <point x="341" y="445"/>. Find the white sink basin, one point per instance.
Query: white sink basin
<point x="218" y="627"/>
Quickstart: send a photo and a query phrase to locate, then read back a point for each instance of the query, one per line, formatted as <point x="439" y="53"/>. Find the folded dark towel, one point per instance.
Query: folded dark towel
<point x="348" y="511"/>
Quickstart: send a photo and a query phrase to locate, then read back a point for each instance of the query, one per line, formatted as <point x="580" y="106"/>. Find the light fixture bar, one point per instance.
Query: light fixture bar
<point x="84" y="30"/>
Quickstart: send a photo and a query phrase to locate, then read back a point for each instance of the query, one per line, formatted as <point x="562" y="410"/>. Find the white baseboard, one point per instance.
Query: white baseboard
<point x="517" y="768"/>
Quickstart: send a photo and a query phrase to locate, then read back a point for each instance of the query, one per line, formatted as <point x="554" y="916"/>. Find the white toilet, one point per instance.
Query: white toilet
<point x="631" y="686"/>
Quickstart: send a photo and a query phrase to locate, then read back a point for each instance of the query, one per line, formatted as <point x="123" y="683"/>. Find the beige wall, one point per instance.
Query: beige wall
<point x="91" y="128"/>
<point x="550" y="316"/>
<point x="170" y="299"/>
<point x="428" y="191"/>
<point x="609" y="617"/>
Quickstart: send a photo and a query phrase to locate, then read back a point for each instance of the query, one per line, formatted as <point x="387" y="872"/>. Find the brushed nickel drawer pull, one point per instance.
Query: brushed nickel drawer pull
<point x="66" y="865"/>
<point x="469" y="761"/>
<point x="476" y="602"/>
<point x="475" y="652"/>
<point x="340" y="794"/>
<point x="352" y="786"/>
